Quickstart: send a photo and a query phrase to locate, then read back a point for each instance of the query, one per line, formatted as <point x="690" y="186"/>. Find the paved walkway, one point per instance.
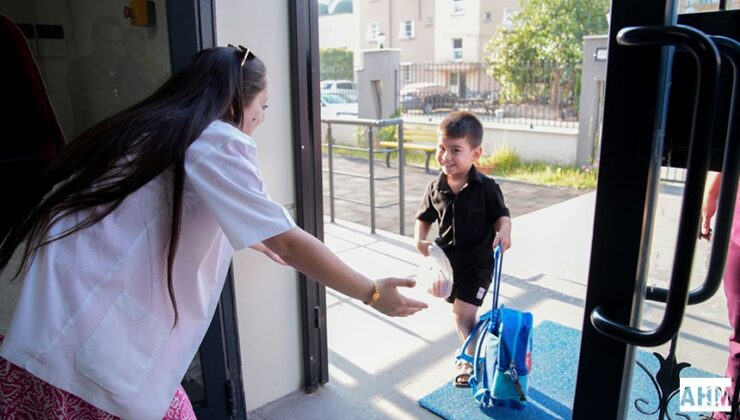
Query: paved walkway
<point x="379" y="367"/>
<point x="522" y="198"/>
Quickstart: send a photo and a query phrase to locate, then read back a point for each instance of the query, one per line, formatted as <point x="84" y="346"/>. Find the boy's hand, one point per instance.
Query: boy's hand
<point x="504" y="240"/>
<point x="423" y="247"/>
<point x="503" y="234"/>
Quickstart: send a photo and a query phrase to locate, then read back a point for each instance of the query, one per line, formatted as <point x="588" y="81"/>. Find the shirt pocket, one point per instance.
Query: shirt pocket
<point x="120" y="352"/>
<point x="471" y="225"/>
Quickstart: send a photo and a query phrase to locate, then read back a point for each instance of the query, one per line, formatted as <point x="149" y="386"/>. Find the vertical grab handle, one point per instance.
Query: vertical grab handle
<point x="707" y="60"/>
<point x="730" y="50"/>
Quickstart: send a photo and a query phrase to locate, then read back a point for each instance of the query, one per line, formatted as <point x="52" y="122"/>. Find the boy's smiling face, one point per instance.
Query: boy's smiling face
<point x="456" y="156"/>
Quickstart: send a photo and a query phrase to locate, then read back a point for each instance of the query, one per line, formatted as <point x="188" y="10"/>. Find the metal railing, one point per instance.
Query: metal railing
<point x="370" y="126"/>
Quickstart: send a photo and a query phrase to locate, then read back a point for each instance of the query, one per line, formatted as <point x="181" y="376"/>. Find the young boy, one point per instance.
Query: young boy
<point x="472" y="217"/>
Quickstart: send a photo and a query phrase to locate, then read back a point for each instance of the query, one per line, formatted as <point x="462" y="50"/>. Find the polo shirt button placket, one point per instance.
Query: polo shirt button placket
<point x="454" y="214"/>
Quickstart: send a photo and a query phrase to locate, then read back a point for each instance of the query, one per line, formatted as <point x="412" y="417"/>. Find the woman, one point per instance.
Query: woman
<point x="128" y="249"/>
<point x="731" y="278"/>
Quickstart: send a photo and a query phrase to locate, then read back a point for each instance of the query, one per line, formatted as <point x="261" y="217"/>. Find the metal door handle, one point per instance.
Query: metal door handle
<point x="704" y="52"/>
<point x="730" y="50"/>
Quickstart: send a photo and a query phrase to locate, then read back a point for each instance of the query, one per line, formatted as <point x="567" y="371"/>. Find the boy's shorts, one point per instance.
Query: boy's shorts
<point x="470" y="287"/>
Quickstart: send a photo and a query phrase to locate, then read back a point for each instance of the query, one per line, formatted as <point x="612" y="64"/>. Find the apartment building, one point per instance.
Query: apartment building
<point x="464" y="27"/>
<point x="338" y="26"/>
<point x="441" y="41"/>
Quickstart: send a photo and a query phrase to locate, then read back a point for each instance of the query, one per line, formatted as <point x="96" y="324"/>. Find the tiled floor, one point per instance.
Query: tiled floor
<point x="379" y="366"/>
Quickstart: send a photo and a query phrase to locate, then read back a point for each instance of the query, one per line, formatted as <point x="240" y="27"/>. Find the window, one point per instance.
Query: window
<point x="373" y="29"/>
<point x="454" y="79"/>
<point x="486" y="16"/>
<point x="457" y="52"/>
<point x="509" y="15"/>
<point x="428" y="21"/>
<point x="458" y="7"/>
<point x="406" y="29"/>
<point x="407" y="72"/>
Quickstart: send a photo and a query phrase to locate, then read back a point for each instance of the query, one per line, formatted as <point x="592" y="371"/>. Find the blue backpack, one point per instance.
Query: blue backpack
<point x="502" y="357"/>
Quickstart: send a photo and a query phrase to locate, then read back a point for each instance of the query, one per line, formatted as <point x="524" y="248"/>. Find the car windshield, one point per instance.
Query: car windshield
<point x="335" y="98"/>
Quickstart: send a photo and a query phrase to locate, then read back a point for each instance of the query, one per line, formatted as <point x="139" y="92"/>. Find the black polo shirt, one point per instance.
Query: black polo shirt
<point x="465" y="220"/>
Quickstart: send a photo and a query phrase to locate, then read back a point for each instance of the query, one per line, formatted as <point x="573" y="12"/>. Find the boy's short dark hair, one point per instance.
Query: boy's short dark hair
<point x="459" y="124"/>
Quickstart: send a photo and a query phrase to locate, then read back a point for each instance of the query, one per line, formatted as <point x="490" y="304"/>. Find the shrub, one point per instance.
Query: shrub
<point x="388" y="133"/>
<point x="505" y="159"/>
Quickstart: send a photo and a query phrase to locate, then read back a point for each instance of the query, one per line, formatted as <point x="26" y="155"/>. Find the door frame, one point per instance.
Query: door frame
<point x="192" y="27"/>
<point x="306" y="122"/>
<point x="605" y="365"/>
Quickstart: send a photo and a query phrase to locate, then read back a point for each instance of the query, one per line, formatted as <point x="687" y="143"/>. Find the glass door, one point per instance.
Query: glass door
<point x="645" y="95"/>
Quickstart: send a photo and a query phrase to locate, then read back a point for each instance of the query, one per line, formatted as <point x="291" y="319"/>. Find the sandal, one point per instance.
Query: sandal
<point x="464" y="370"/>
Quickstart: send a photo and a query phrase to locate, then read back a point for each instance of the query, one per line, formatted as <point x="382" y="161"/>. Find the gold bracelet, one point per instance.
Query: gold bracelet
<point x="376" y="294"/>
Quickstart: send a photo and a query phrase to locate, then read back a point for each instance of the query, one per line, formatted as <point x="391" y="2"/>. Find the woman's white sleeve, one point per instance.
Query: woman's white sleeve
<point x="226" y="176"/>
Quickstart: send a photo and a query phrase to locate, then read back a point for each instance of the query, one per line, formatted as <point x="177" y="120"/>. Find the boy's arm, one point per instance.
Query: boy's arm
<point x="503" y="233"/>
<point x="421" y="232"/>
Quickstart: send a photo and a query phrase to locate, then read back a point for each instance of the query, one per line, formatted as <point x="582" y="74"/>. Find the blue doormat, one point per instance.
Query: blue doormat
<point x="553" y="382"/>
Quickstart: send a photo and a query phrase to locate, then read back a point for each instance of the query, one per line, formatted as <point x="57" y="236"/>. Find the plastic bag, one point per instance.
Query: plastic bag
<point x="435" y="273"/>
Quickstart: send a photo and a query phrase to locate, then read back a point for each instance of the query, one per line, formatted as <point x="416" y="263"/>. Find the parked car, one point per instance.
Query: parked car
<point x="491" y="101"/>
<point x="347" y="88"/>
<point x="335" y="105"/>
<point x="427" y="97"/>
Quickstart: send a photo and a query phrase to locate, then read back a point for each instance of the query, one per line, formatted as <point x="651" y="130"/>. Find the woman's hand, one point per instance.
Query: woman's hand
<point x="310" y="256"/>
<point x="392" y="302"/>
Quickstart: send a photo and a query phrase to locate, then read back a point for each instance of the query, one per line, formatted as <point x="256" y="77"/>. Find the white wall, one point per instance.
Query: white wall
<point x="555" y="145"/>
<point x="340" y="31"/>
<point x="542" y="144"/>
<point x="267" y="298"/>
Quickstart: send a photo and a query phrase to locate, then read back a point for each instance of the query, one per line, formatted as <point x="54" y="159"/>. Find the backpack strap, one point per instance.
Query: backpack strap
<point x="480" y="325"/>
<point x="496" y="283"/>
<point x="480" y="380"/>
<point x="498" y="260"/>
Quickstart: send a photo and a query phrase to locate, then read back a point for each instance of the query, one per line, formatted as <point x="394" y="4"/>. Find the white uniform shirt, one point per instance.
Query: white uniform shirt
<point x="94" y="316"/>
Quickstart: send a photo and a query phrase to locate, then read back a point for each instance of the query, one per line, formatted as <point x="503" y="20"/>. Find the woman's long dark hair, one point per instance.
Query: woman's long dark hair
<point x="119" y="155"/>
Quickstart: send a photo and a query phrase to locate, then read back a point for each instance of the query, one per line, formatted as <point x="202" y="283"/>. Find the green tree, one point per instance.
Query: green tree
<point x="335" y="63"/>
<point x="540" y="56"/>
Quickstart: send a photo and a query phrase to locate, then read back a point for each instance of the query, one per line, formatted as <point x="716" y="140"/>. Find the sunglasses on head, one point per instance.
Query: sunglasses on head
<point x="248" y="54"/>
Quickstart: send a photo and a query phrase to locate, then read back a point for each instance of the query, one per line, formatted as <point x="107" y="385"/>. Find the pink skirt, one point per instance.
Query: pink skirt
<point x="24" y="396"/>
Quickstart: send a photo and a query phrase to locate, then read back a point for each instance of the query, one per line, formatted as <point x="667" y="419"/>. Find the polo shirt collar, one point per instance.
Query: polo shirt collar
<point x="473" y="176"/>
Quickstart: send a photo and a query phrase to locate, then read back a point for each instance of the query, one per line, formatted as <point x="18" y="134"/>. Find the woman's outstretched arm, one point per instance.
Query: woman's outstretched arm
<point x="310" y="256"/>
